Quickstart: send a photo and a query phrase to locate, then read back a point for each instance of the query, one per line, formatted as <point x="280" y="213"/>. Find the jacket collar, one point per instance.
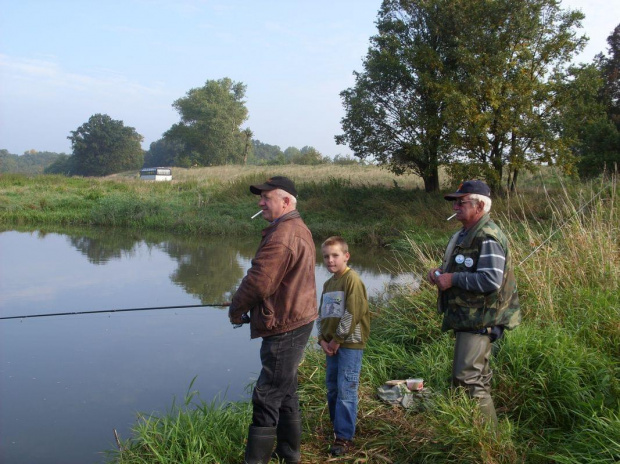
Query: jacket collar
<point x="471" y="233"/>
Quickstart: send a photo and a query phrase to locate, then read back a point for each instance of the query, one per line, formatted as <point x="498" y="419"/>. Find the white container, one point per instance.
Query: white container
<point x="415" y="384"/>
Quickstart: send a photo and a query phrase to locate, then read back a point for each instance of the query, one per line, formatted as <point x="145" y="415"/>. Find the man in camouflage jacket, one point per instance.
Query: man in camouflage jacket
<point x="477" y="291"/>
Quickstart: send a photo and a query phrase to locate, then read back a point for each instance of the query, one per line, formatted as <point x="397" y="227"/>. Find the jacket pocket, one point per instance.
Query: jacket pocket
<point x="266" y="317"/>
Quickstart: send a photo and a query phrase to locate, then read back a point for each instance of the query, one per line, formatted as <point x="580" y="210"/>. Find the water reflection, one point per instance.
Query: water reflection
<point x="206" y="269"/>
<point x="83" y="376"/>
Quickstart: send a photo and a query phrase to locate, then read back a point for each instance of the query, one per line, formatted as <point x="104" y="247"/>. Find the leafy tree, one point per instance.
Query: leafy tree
<point x="211" y="117"/>
<point x="345" y="160"/>
<point x="511" y="55"/>
<point x="265" y="153"/>
<point x="164" y="152"/>
<point x="460" y="82"/>
<point x="308" y="156"/>
<point x="611" y="73"/>
<point x="398" y="111"/>
<point x="584" y="127"/>
<point x="32" y="162"/>
<point x="248" y="150"/>
<point x="291" y="153"/>
<point x="104" y="146"/>
<point x="62" y="165"/>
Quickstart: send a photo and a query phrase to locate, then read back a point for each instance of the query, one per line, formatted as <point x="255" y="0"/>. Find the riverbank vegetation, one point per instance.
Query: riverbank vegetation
<point x="365" y="204"/>
<point x="557" y="376"/>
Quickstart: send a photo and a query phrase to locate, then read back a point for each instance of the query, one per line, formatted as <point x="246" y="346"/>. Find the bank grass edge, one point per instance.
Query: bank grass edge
<point x="557" y="376"/>
<point x="365" y="204"/>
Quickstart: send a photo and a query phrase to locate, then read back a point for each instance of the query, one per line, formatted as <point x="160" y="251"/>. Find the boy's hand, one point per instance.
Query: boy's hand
<point x="326" y="348"/>
<point x="333" y="347"/>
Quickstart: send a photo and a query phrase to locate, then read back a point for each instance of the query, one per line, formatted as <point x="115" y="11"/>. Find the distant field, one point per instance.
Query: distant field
<point x="357" y="175"/>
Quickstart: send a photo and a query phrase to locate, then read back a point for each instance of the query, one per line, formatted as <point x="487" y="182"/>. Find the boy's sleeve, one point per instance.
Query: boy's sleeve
<point x="356" y="304"/>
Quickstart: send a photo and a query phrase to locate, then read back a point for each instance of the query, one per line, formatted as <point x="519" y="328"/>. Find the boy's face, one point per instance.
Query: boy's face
<point x="335" y="260"/>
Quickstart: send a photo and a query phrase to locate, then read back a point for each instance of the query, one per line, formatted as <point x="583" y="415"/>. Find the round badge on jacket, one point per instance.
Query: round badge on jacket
<point x="459" y="259"/>
<point x="469" y="262"/>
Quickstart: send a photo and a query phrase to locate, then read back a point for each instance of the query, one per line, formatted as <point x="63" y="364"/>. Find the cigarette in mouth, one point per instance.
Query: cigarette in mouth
<point x="451" y="217"/>
<point x="256" y="214"/>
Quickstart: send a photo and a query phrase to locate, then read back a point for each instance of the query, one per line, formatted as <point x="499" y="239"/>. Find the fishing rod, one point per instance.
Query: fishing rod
<point x="151" y="308"/>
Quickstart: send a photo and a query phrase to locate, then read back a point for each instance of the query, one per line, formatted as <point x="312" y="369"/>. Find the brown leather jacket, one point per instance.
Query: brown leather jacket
<point x="279" y="289"/>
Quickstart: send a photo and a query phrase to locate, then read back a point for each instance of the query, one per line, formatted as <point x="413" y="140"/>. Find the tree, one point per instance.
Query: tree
<point x="584" y="127"/>
<point x="460" y="82"/>
<point x="308" y="156"/>
<point x="611" y="73"/>
<point x="265" y="153"/>
<point x="211" y="117"/>
<point x="511" y="56"/>
<point x="104" y="146"/>
<point x="164" y="152"/>
<point x="398" y="111"/>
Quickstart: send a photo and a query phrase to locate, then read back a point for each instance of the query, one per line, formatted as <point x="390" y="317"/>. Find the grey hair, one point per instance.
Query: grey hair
<point x="284" y="194"/>
<point x="486" y="201"/>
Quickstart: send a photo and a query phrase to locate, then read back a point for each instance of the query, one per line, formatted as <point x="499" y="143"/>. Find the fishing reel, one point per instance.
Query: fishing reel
<point x="245" y="319"/>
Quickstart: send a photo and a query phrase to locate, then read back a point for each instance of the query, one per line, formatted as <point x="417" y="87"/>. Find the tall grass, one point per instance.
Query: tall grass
<point x="195" y="432"/>
<point x="557" y="376"/>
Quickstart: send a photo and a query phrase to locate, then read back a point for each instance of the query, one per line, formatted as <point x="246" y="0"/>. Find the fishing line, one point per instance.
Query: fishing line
<point x="151" y="308"/>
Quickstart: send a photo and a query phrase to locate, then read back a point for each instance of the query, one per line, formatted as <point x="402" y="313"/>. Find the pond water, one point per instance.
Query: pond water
<point x="67" y="382"/>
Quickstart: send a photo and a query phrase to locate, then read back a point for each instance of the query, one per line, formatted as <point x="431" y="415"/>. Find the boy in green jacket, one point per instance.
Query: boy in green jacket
<point x="343" y="329"/>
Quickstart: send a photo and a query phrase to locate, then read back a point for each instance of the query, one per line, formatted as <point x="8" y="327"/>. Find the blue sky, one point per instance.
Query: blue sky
<point x="61" y="61"/>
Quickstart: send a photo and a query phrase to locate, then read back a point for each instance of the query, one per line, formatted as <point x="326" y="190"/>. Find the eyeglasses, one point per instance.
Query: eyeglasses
<point x="460" y="202"/>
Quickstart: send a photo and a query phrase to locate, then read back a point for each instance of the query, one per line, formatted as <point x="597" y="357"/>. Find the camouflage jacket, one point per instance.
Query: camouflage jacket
<point x="465" y="310"/>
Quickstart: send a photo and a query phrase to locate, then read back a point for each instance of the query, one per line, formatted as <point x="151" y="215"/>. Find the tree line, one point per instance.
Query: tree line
<point x="484" y="89"/>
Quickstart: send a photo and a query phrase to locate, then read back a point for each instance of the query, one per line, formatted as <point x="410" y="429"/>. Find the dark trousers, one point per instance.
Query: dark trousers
<point x="276" y="388"/>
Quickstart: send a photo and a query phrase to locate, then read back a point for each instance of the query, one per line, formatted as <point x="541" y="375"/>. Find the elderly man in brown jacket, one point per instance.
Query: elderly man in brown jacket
<point x="279" y="292"/>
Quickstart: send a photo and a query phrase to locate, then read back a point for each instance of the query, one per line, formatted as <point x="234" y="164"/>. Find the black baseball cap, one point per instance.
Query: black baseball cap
<point x="273" y="183"/>
<point x="468" y="187"/>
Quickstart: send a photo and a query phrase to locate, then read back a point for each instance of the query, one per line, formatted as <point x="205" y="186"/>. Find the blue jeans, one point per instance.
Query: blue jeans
<point x="276" y="387"/>
<point x="342" y="379"/>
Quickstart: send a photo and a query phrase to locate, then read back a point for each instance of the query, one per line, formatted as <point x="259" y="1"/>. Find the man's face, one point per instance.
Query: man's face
<point x="272" y="204"/>
<point x="467" y="210"/>
<point x="335" y="259"/>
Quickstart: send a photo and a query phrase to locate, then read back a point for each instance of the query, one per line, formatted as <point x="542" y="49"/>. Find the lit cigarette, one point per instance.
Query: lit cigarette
<point x="451" y="217"/>
<point x="256" y="214"/>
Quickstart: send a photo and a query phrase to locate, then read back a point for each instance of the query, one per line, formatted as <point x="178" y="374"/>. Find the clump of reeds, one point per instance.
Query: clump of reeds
<point x="196" y="432"/>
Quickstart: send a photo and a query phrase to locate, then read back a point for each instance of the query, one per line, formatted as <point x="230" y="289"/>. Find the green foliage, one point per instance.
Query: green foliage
<point x="197" y="432"/>
<point x="164" y="152"/>
<point x="31" y="162"/>
<point x="308" y="156"/>
<point x="267" y="154"/>
<point x="610" y="67"/>
<point x="599" y="148"/>
<point x="211" y="117"/>
<point x="449" y="81"/>
<point x="589" y="138"/>
<point x="64" y="164"/>
<point x="104" y="146"/>
<point x="397" y="112"/>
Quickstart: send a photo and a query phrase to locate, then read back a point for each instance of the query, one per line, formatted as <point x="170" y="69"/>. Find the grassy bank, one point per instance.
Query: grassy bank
<point x="365" y="204"/>
<point x="557" y="376"/>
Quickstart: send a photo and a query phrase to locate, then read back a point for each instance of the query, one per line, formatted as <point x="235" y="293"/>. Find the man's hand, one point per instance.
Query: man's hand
<point x="432" y="275"/>
<point x="443" y="281"/>
<point x="240" y="320"/>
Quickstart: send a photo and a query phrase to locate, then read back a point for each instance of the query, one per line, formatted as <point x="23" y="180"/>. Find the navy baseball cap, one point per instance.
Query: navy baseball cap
<point x="468" y="187"/>
<point x="273" y="183"/>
